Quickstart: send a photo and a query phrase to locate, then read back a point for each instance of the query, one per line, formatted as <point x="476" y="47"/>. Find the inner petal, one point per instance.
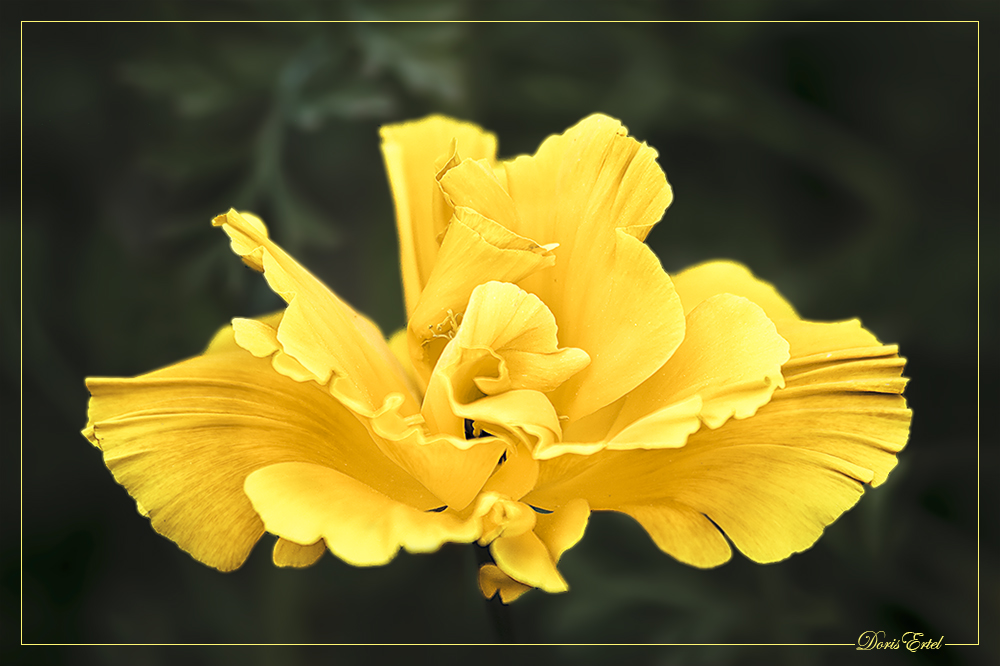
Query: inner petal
<point x="496" y="369"/>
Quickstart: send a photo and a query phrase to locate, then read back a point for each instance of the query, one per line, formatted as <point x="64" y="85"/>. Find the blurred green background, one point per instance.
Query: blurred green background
<point x="838" y="160"/>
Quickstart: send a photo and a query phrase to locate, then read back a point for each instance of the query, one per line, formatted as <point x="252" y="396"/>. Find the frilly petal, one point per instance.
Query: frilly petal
<point x="440" y="462"/>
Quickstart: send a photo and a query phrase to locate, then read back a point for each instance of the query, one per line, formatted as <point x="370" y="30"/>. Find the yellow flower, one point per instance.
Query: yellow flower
<point x="550" y="367"/>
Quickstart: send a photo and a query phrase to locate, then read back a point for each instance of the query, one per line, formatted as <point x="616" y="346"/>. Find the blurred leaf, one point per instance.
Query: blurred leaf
<point x="359" y="101"/>
<point x="422" y="56"/>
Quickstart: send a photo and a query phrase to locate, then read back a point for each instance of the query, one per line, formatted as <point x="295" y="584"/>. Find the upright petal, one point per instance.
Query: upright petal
<point x="414" y="152"/>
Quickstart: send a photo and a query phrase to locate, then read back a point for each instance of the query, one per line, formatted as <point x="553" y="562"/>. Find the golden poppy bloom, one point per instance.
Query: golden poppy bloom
<point x="550" y="368"/>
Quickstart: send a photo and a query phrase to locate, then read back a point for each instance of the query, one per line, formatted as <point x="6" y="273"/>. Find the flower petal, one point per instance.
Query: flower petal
<point x="414" y="152"/>
<point x="700" y="282"/>
<point x="850" y="397"/>
<point x="526" y="559"/>
<point x="474" y="381"/>
<point x="523" y="416"/>
<point x="450" y="466"/>
<point x="183" y="439"/>
<point x="731" y="359"/>
<point x="519" y="329"/>
<point x="639" y="326"/>
<point x="563" y="528"/>
<point x="516" y="475"/>
<point x="290" y="554"/>
<point x="594" y="191"/>
<point x="475" y="250"/>
<point x="399" y="346"/>
<point x="683" y="532"/>
<point x="305" y="502"/>
<point x="771" y="482"/>
<point x="492" y="581"/>
<point x="441" y="463"/>
<point x="593" y="176"/>
<point x="529" y="558"/>
<point x="665" y="428"/>
<point x="318" y="329"/>
<point x="837" y="363"/>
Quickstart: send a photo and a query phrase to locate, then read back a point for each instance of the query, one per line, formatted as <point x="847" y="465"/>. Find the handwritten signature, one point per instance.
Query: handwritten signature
<point x="911" y="640"/>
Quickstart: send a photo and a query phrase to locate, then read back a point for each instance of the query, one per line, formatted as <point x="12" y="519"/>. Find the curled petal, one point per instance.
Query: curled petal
<point x="506" y="518"/>
<point x="521" y="331"/>
<point x="516" y="475"/>
<point x="524" y="416"/>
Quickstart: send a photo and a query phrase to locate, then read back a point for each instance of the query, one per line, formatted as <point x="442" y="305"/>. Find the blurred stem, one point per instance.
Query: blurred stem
<point x="499" y="611"/>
